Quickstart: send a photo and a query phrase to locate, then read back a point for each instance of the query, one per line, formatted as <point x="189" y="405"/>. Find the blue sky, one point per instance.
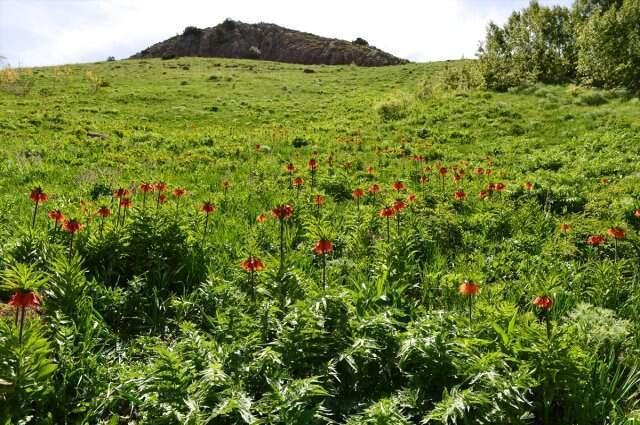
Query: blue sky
<point x="52" y="32"/>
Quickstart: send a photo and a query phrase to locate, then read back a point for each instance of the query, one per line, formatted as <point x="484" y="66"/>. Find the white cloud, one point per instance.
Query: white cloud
<point x="45" y="32"/>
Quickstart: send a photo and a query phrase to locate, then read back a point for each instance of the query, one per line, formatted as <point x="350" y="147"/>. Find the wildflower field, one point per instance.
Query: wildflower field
<point x="210" y="241"/>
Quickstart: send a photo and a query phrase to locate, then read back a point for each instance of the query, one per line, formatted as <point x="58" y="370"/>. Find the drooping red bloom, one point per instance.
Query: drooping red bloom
<point x="318" y="200"/>
<point x="460" y="195"/>
<point x="398" y="186"/>
<point x="604" y="181"/>
<point x="56" y="215"/>
<point x="443" y="171"/>
<point x="457" y="177"/>
<point x="162" y="199"/>
<point x="357" y="193"/>
<point x="122" y="193"/>
<point x="38" y="195"/>
<point x="253" y="264"/>
<point x="636" y="213"/>
<point x="72" y="226"/>
<point x="488" y="172"/>
<point x="424" y="179"/>
<point x="291" y="168"/>
<point x="616" y="233"/>
<point x="298" y="182"/>
<point x="418" y="158"/>
<point x="483" y="194"/>
<point x="479" y="171"/>
<point x="24" y="299"/>
<point x="398" y="206"/>
<point x="282" y="212"/>
<point x="500" y="187"/>
<point x="543" y="302"/>
<point x="226" y="185"/>
<point x="595" y="240"/>
<point x="146" y="187"/>
<point x="313" y="164"/>
<point x="104" y="212"/>
<point x="160" y="186"/>
<point x="528" y="186"/>
<point x="261" y="218"/>
<point x="387" y="212"/>
<point x="468" y="289"/>
<point x="375" y="188"/>
<point x="491" y="187"/>
<point x="565" y="228"/>
<point x="323" y="246"/>
<point x="179" y="192"/>
<point x="411" y="198"/>
<point x="208" y="207"/>
<point x="125" y="203"/>
<point x="370" y="170"/>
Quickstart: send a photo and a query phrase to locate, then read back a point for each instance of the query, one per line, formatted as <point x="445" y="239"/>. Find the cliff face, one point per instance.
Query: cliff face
<point x="233" y="39"/>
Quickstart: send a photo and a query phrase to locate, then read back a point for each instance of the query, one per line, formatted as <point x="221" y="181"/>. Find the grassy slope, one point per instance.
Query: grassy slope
<point x="159" y="123"/>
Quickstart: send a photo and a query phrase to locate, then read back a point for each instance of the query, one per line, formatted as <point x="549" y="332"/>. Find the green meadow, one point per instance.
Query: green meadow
<point x="482" y="296"/>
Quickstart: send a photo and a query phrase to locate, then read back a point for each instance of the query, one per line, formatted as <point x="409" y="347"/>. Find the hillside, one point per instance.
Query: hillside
<point x="253" y="242"/>
<point x="234" y="39"/>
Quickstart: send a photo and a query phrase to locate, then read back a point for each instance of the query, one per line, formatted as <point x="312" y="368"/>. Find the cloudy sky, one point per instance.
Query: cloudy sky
<point x="52" y="32"/>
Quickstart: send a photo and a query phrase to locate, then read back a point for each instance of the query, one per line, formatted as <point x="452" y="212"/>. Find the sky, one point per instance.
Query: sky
<point x="55" y="32"/>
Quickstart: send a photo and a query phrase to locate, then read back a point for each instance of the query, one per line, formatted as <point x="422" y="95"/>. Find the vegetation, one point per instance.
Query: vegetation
<point x="210" y="241"/>
<point x="596" y="42"/>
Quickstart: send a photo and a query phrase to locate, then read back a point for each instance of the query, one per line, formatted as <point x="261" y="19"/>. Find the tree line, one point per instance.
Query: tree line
<point x="594" y="42"/>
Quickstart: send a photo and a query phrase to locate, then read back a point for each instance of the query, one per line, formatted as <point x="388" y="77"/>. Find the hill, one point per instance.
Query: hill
<point x="234" y="39"/>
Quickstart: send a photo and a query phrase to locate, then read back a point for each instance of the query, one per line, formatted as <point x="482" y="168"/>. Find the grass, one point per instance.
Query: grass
<point x="154" y="320"/>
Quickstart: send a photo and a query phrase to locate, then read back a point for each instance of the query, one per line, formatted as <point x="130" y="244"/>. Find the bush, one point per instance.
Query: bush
<point x="254" y="52"/>
<point x="192" y="32"/>
<point x="360" y="42"/>
<point x="394" y="108"/>
<point x="592" y="99"/>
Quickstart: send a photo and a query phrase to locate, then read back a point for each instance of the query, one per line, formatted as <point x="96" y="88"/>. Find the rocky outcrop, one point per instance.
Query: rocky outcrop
<point x="234" y="39"/>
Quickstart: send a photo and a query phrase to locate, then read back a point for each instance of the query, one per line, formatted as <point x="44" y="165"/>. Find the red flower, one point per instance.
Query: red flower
<point x="207" y="208"/>
<point x="122" y="193"/>
<point x="179" y="192"/>
<point x="479" y="171"/>
<point x="528" y="186"/>
<point x="162" y="199"/>
<point x="411" y="198"/>
<point x="323" y="246"/>
<point x="375" y="188"/>
<point x="24" y="299"/>
<point x="460" y="195"/>
<point x="291" y="168"/>
<point x="358" y="193"/>
<point x="125" y="203"/>
<point x="253" y="264"/>
<point x="56" y="215"/>
<point x="468" y="289"/>
<point x="491" y="187"/>
<point x="565" y="228"/>
<point x="616" y="233"/>
<point x="37" y="195"/>
<point x="424" y="180"/>
<point x="595" y="240"/>
<point x="146" y="187"/>
<point x="443" y="171"/>
<point x="398" y="206"/>
<point x="483" y="194"/>
<point x="418" y="158"/>
<point x="313" y="164"/>
<point x="636" y="213"/>
<point x="282" y="212"/>
<point x="160" y="186"/>
<point x="387" y="212"/>
<point x="318" y="200"/>
<point x="370" y="170"/>
<point x="500" y="187"/>
<point x="226" y="185"/>
<point x="298" y="182"/>
<point x="261" y="218"/>
<point x="104" y="212"/>
<point x="72" y="226"/>
<point x="604" y="181"/>
<point x="457" y="177"/>
<point x="543" y="302"/>
<point x="398" y="186"/>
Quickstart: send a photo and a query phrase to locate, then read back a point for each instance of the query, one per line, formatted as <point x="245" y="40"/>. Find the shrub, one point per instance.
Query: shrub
<point x="592" y="99"/>
<point x="393" y="108"/>
<point x="360" y="42"/>
<point x="254" y="52"/>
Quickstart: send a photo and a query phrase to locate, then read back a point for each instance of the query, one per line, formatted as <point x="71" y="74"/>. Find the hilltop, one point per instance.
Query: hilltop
<point x="234" y="39"/>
